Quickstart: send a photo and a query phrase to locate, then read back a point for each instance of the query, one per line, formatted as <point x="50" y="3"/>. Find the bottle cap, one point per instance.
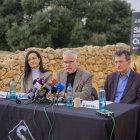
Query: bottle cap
<point x="102" y="86"/>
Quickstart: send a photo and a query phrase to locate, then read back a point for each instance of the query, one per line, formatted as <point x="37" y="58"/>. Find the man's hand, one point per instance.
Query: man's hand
<point x="50" y="96"/>
<point x="61" y="94"/>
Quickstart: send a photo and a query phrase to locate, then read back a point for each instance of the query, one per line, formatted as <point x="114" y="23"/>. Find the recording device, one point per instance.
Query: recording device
<point x="105" y="113"/>
<point x="59" y="87"/>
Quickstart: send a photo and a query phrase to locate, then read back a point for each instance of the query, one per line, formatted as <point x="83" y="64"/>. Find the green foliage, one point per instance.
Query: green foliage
<point x="32" y="6"/>
<point x="63" y="23"/>
<point x="18" y="37"/>
<point x="77" y="35"/>
<point x="11" y="7"/>
<point x="3" y="29"/>
<point x="60" y="26"/>
<point x="97" y="39"/>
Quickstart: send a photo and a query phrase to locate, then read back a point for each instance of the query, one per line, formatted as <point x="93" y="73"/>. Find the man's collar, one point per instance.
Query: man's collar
<point x="125" y="75"/>
<point x="72" y="73"/>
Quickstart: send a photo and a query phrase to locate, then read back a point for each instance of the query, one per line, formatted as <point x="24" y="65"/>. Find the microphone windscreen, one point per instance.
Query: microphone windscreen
<point x="40" y="80"/>
<point x="53" y="90"/>
<point x="34" y="81"/>
<point x="53" y="81"/>
<point x="39" y="83"/>
<point x="60" y="86"/>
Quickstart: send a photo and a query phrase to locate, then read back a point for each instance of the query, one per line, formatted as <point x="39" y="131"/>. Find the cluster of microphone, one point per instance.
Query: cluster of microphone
<point x="41" y="88"/>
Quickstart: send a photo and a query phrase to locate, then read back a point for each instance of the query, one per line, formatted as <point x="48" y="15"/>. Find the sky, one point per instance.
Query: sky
<point x="135" y="4"/>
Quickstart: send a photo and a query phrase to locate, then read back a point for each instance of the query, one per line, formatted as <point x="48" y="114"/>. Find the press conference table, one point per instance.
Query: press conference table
<point x="29" y="122"/>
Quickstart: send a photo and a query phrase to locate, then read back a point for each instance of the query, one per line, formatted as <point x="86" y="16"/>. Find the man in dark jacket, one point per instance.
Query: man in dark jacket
<point x="123" y="86"/>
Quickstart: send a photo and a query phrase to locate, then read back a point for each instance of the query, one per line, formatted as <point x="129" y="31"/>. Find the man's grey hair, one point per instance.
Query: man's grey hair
<point x="121" y="51"/>
<point x="70" y="52"/>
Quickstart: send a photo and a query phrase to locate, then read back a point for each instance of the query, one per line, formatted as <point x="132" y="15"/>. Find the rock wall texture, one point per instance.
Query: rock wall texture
<point x="98" y="60"/>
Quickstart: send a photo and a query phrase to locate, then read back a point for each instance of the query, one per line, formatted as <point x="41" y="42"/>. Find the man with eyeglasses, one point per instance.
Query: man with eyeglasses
<point x="80" y="80"/>
<point x="123" y="86"/>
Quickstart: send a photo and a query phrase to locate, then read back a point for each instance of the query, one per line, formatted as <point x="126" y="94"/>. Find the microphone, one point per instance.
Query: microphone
<point x="53" y="90"/>
<point x="59" y="87"/>
<point x="31" y="93"/>
<point x="34" y="81"/>
<point x="46" y="88"/>
<point x="37" y="83"/>
<point x="53" y="81"/>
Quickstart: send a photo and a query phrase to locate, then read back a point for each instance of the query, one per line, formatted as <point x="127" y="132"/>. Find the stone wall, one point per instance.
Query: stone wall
<point x="97" y="60"/>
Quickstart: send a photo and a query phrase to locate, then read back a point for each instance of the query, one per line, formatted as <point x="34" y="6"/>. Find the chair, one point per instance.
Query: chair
<point x="94" y="94"/>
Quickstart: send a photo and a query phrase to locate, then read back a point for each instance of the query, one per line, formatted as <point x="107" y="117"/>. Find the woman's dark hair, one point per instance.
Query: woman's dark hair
<point x="27" y="68"/>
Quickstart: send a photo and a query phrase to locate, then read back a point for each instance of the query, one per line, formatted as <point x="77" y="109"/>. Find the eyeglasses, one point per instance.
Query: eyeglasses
<point x="68" y="62"/>
<point x="120" y="62"/>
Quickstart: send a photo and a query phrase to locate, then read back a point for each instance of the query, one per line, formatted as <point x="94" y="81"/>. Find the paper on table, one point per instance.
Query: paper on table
<point x="96" y="103"/>
<point x="3" y="95"/>
<point x="20" y="95"/>
<point x="93" y="104"/>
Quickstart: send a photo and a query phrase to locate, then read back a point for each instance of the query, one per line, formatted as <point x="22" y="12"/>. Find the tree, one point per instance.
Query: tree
<point x="104" y="20"/>
<point x="63" y="23"/>
<point x="3" y="29"/>
<point x="60" y="27"/>
<point x="18" y="37"/>
<point x="30" y="7"/>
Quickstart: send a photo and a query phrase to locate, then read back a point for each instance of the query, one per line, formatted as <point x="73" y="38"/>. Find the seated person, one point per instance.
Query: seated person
<point x="33" y="70"/>
<point x="123" y="86"/>
<point x="80" y="80"/>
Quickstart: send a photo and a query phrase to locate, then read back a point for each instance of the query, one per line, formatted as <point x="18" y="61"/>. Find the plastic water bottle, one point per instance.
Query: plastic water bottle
<point x="69" y="102"/>
<point x="102" y="100"/>
<point x="13" y="90"/>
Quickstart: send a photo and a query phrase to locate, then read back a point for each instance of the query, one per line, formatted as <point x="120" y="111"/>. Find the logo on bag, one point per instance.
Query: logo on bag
<point x="20" y="132"/>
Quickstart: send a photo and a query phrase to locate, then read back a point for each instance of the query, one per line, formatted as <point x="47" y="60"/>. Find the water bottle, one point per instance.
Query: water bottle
<point x="13" y="90"/>
<point x="102" y="100"/>
<point x="69" y="102"/>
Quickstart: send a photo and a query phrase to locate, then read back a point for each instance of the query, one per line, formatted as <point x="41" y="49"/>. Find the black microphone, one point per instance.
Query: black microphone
<point x="37" y="85"/>
<point x="45" y="89"/>
<point x="31" y="93"/>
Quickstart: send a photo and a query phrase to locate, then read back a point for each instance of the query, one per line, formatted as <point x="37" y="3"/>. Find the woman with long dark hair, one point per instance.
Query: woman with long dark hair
<point x="33" y="70"/>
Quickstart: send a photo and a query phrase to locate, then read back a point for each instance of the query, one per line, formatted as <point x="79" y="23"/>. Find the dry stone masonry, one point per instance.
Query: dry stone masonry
<point x="98" y="60"/>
